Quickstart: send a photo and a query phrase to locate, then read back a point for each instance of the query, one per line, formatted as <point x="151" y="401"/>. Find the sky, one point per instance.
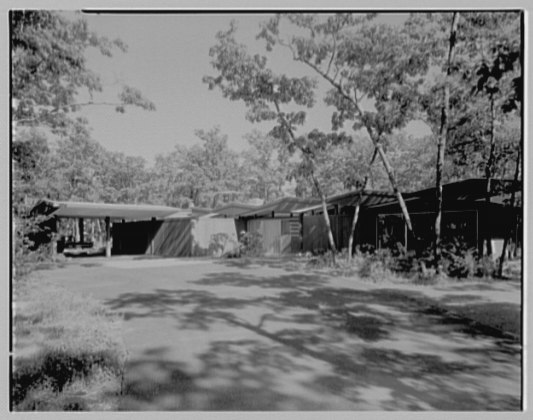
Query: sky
<point x="166" y="59"/>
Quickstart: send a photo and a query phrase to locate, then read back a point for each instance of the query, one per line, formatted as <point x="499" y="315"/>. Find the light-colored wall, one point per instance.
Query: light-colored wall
<point x="213" y="236"/>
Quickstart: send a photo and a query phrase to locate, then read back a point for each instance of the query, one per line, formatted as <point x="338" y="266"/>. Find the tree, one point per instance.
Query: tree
<point x="31" y="155"/>
<point x="204" y="174"/>
<point x="474" y="83"/>
<point x="495" y="67"/>
<point x="361" y="61"/>
<point x="77" y="166"/>
<point x="49" y="69"/>
<point x="266" y="165"/>
<point x="512" y="223"/>
<point x="243" y="77"/>
<point x="441" y="144"/>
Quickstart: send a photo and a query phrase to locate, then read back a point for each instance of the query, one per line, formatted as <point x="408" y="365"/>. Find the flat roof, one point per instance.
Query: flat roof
<point x="368" y="198"/>
<point x="284" y="206"/>
<point x="234" y="209"/>
<point x="77" y="209"/>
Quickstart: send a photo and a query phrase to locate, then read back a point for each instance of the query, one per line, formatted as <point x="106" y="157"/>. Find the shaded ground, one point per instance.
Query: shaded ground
<point x="238" y="335"/>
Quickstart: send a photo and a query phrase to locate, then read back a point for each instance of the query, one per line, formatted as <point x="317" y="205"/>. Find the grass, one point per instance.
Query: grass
<point x="69" y="353"/>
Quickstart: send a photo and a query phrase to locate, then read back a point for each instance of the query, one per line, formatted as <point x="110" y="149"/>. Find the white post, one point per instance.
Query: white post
<point x="107" y="237"/>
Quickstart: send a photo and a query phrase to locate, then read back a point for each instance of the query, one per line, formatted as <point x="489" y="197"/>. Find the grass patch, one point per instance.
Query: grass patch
<point x="69" y="353"/>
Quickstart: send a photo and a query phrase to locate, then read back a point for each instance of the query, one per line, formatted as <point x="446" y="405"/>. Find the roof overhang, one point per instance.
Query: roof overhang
<point x="75" y="209"/>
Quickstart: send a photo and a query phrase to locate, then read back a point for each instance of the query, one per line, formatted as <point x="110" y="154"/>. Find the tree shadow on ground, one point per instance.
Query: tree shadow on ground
<point x="320" y="348"/>
<point x="287" y="263"/>
<point x="287" y="281"/>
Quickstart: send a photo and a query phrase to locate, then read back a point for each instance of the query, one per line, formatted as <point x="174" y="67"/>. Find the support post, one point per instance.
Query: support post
<point x="301" y="217"/>
<point x="81" y="229"/>
<point x="107" y="237"/>
<point x="152" y="233"/>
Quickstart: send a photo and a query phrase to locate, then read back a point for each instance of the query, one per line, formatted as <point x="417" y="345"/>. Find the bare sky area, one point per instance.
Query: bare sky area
<point x="166" y="59"/>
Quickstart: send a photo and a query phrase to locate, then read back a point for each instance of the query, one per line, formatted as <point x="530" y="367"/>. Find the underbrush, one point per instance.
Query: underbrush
<point x="68" y="351"/>
<point x="401" y="265"/>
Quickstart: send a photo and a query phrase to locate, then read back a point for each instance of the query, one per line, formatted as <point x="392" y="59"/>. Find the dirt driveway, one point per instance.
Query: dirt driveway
<point x="235" y="335"/>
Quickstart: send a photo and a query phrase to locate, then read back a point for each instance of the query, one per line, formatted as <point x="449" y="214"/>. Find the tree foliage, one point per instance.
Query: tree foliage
<point x="49" y="69"/>
<point x="265" y="167"/>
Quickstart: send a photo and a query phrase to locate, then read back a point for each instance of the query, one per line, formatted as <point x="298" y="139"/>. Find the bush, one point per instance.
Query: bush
<point x="251" y="244"/>
<point x="486" y="267"/>
<point x="322" y="260"/>
<point x="31" y="244"/>
<point x="379" y="265"/>
<point x="222" y="244"/>
<point x="458" y="260"/>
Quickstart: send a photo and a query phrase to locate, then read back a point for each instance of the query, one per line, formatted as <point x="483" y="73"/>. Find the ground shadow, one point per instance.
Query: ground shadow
<point x="375" y="349"/>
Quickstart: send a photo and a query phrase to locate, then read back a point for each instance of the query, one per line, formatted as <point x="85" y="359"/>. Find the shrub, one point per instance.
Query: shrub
<point x="31" y="243"/>
<point x="379" y="265"/>
<point x="322" y="260"/>
<point x="486" y="266"/>
<point x="222" y="244"/>
<point x="251" y="244"/>
<point x="458" y="260"/>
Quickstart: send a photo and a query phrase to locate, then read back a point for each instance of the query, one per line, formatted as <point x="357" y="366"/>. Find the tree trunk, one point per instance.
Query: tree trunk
<point x="489" y="167"/>
<point x="441" y="146"/>
<point x="397" y="192"/>
<point x="315" y="182"/>
<point x="352" y="231"/>
<point x="374" y="137"/>
<point x="511" y="206"/>
<point x="326" y="217"/>
<point x="358" y="206"/>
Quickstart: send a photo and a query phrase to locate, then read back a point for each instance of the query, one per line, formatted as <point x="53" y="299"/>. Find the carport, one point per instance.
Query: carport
<point x="104" y="211"/>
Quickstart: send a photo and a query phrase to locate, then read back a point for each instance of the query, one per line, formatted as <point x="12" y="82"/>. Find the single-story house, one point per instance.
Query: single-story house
<point x="278" y="224"/>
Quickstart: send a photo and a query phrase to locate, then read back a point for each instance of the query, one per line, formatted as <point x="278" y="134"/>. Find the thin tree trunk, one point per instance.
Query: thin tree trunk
<point x="375" y="141"/>
<point x="315" y="182"/>
<point x="441" y="146"/>
<point x="327" y="220"/>
<point x="489" y="167"/>
<point x="352" y="231"/>
<point x="357" y="208"/>
<point x="511" y="206"/>
<point x="397" y="192"/>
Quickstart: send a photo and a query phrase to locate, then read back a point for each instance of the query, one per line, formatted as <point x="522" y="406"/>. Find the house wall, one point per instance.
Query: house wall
<point x="280" y="236"/>
<point x="315" y="234"/>
<point x="213" y="236"/>
<point x="175" y="237"/>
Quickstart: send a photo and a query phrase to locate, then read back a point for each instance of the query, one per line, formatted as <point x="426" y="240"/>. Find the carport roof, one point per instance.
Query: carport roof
<point x="76" y="209"/>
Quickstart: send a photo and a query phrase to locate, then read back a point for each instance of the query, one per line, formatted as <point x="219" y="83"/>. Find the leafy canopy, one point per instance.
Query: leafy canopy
<point x="49" y="69"/>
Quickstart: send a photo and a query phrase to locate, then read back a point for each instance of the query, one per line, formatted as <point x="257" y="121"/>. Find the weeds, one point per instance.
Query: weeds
<point x="395" y="264"/>
<point x="64" y="341"/>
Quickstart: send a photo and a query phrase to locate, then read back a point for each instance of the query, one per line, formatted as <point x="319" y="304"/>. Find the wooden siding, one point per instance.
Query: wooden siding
<point x="274" y="242"/>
